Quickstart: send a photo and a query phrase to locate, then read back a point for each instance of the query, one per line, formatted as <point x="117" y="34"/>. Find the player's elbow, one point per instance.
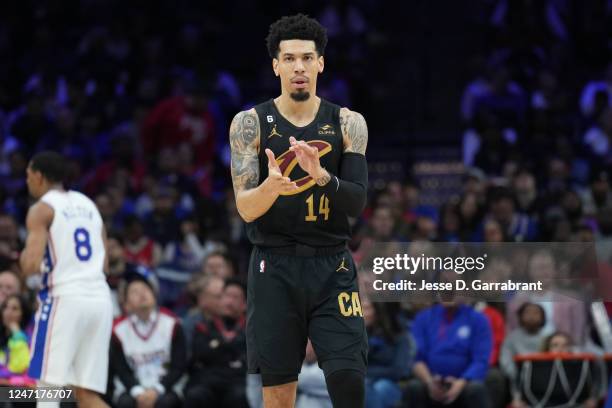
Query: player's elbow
<point x="244" y="215"/>
<point x="28" y="267"/>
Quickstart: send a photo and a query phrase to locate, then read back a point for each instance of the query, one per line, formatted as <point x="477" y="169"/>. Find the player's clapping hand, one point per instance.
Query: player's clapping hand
<point x="307" y="156"/>
<point x="276" y="182"/>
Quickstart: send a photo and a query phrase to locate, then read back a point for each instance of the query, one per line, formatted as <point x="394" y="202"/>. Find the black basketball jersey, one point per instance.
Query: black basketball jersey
<point x="306" y="216"/>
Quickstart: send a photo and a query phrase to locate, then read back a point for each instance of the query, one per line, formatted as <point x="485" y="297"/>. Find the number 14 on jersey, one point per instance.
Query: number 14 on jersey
<point x="323" y="208"/>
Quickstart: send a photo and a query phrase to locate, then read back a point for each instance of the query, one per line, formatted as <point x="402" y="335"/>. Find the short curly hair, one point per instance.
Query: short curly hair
<point x="296" y="27"/>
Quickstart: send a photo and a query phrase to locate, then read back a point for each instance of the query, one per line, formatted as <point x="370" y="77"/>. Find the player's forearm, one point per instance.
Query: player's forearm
<point x="349" y="190"/>
<point x="28" y="263"/>
<point x="255" y="202"/>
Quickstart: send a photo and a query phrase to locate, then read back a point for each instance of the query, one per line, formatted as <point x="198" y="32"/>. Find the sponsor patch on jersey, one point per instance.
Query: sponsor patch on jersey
<point x="327" y="129"/>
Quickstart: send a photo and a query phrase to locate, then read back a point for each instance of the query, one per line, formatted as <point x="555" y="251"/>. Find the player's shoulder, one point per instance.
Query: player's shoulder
<point x="246" y="115"/>
<point x="347" y="115"/>
<point x="39" y="213"/>
<point x="83" y="198"/>
<point x="244" y="129"/>
<point x="354" y="131"/>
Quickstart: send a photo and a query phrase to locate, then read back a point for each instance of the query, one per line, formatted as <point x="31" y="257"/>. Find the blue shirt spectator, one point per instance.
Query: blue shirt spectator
<point x="453" y="348"/>
<point x="453" y="342"/>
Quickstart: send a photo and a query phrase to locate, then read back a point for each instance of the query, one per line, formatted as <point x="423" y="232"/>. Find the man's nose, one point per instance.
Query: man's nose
<point x="299" y="66"/>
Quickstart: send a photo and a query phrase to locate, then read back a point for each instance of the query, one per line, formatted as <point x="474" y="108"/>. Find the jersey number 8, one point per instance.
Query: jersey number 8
<point x="82" y="244"/>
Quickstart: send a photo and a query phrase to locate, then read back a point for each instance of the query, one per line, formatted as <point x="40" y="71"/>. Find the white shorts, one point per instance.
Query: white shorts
<point x="71" y="341"/>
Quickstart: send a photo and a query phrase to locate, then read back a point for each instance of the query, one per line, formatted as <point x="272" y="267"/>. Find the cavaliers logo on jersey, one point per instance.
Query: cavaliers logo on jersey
<point x="287" y="162"/>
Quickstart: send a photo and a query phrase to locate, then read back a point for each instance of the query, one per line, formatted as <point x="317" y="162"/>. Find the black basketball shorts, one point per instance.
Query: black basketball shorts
<point x="292" y="297"/>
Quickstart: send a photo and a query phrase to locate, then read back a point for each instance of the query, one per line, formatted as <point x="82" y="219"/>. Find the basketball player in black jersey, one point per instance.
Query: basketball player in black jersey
<point x="299" y="171"/>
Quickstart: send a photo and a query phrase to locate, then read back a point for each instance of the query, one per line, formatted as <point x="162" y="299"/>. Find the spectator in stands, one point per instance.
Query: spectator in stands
<point x="390" y="354"/>
<point x="493" y="231"/>
<point x="220" y="264"/>
<point x="495" y="381"/>
<point x="123" y="166"/>
<point x="169" y="173"/>
<point x="599" y="194"/>
<point x="413" y="204"/>
<point x="140" y="248"/>
<point x="382" y="224"/>
<point x="217" y="373"/>
<point x="9" y="242"/>
<point x="470" y="215"/>
<point x="311" y="387"/>
<point x="525" y="191"/>
<point x="163" y="223"/>
<point x="15" y="333"/>
<point x="107" y="211"/>
<point x="116" y="270"/>
<point x="119" y="269"/>
<point x="563" y="312"/>
<point x="450" y="223"/>
<point x="560" y="342"/>
<point x="182" y="119"/>
<point x="527" y="338"/>
<point x="208" y="291"/>
<point x="9" y="232"/>
<point x="147" y="349"/>
<point x="9" y="285"/>
<point x="453" y="350"/>
<point x="516" y="226"/>
<point x="187" y="253"/>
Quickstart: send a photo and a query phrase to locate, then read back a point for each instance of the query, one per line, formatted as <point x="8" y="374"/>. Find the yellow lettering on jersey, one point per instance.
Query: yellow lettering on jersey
<point x="349" y="304"/>
<point x="343" y="303"/>
<point x="356" y="304"/>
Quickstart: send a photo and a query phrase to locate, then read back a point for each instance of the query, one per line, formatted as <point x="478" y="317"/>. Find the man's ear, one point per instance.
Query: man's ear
<point x="321" y="64"/>
<point x="275" y="66"/>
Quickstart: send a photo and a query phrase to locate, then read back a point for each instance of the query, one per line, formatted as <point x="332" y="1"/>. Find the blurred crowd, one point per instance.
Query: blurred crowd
<point x="138" y="97"/>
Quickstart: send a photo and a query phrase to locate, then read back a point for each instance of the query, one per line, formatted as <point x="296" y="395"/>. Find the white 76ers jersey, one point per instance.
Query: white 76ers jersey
<point x="74" y="258"/>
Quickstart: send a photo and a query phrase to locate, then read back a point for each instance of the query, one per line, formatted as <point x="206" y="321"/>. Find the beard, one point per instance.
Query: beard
<point x="300" y="96"/>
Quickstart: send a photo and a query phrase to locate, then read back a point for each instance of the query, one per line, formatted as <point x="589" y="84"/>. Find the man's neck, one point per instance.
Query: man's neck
<point x="50" y="187"/>
<point x="299" y="113"/>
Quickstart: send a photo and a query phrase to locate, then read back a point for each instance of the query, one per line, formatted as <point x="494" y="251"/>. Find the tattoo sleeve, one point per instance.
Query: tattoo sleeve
<point x="244" y="135"/>
<point x="356" y="131"/>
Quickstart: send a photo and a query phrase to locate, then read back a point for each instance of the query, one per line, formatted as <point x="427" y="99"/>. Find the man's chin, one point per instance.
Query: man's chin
<point x="301" y="96"/>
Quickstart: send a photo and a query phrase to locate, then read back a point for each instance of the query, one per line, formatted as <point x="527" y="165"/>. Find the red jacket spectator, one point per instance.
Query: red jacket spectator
<point x="498" y="329"/>
<point x="179" y="120"/>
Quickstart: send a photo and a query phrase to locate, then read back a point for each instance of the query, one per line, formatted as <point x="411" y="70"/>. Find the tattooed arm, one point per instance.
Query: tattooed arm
<point x="252" y="200"/>
<point x="354" y="131"/>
